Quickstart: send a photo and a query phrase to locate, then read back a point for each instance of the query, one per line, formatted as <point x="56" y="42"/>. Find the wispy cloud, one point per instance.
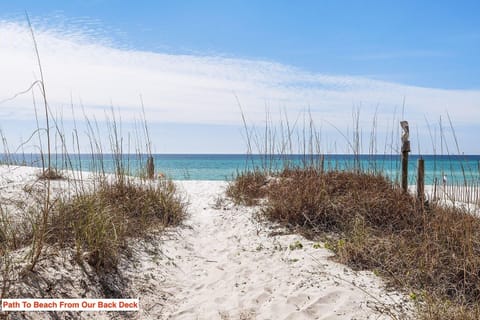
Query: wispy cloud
<point x="200" y="89"/>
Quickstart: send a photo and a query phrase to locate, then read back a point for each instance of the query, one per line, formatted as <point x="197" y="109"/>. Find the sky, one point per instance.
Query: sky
<point x="194" y="62"/>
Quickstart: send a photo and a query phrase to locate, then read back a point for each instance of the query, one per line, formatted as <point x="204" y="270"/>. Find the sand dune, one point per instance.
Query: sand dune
<point x="224" y="265"/>
<point x="221" y="264"/>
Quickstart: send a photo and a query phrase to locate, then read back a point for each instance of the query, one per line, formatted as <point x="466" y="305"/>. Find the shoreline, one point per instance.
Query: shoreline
<point x="219" y="167"/>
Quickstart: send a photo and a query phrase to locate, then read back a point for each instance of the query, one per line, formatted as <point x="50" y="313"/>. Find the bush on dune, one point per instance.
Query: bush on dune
<point x="99" y="224"/>
<point x="429" y="249"/>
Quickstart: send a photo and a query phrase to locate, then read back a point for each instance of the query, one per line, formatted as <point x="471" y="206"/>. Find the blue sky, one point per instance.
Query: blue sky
<point x="427" y="52"/>
<point x="425" y="43"/>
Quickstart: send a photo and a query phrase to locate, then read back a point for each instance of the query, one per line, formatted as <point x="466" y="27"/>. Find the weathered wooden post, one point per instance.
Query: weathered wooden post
<point x="421" y="181"/>
<point x="150" y="168"/>
<point x="322" y="163"/>
<point x="405" y="151"/>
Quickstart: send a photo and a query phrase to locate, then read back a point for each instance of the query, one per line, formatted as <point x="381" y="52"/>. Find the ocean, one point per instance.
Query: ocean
<point x="455" y="168"/>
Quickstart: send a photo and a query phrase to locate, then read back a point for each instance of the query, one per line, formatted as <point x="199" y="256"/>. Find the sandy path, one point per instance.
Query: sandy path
<point x="224" y="265"/>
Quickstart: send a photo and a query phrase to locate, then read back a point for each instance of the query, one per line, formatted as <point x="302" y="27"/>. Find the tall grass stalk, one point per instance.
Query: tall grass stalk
<point x="39" y="237"/>
<point x="429" y="250"/>
<point x="98" y="217"/>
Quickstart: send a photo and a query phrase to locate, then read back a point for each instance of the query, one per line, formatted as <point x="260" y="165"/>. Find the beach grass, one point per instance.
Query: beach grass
<point x="248" y="188"/>
<point x="432" y="252"/>
<point x="99" y="224"/>
<point x="93" y="215"/>
<point x="429" y="248"/>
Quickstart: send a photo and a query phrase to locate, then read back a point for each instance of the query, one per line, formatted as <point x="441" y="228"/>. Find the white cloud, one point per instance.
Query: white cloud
<point x="201" y="89"/>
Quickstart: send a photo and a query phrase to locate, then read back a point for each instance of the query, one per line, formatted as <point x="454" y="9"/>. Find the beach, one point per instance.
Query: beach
<point x="239" y="160"/>
<point x="221" y="263"/>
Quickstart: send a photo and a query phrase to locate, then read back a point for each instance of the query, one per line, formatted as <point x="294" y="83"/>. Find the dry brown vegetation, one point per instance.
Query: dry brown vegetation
<point x="99" y="224"/>
<point x="249" y="187"/>
<point x="95" y="219"/>
<point x="51" y="174"/>
<point x="431" y="252"/>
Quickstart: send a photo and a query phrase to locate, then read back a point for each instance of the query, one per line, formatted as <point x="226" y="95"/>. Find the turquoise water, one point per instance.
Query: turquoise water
<point x="225" y="166"/>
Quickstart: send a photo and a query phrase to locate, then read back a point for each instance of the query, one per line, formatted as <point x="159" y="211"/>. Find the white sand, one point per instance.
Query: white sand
<point x="225" y="265"/>
<point x="222" y="264"/>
